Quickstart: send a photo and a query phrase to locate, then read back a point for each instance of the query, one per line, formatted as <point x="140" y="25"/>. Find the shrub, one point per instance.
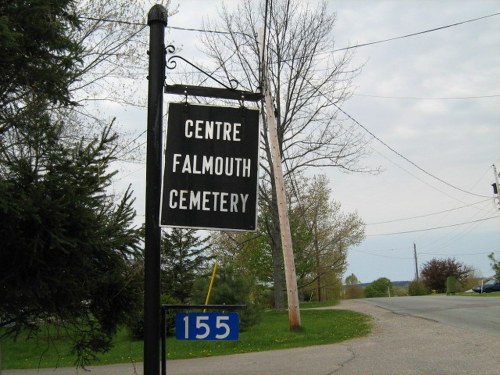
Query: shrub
<point x="418" y="288"/>
<point x="400" y="292"/>
<point x="353" y="291"/>
<point x="381" y="287"/>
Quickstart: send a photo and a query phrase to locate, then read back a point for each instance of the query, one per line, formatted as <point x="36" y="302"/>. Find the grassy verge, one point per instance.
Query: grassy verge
<point x="492" y="294"/>
<point x="312" y="305"/>
<point x="319" y="327"/>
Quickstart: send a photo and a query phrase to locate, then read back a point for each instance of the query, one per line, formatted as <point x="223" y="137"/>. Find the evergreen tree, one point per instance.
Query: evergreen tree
<point x="183" y="256"/>
<point x="38" y="59"/>
<point x="232" y="286"/>
<point x="66" y="242"/>
<point x="66" y="245"/>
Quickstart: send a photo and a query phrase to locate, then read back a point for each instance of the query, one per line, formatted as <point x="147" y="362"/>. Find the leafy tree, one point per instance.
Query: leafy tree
<point x="231" y="287"/>
<point x="331" y="231"/>
<point x="495" y="264"/>
<point x="353" y="291"/>
<point x="66" y="245"/>
<point x="321" y="235"/>
<point x="435" y="272"/>
<point x="307" y="94"/>
<point x="351" y="280"/>
<point x="183" y="257"/>
<point x="352" y="288"/>
<point x="248" y="251"/>
<point x="381" y="287"/>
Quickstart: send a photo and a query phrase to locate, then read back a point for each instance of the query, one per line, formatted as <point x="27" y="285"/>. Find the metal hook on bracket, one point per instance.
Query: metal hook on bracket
<point x="242" y="100"/>
<point x="172" y="64"/>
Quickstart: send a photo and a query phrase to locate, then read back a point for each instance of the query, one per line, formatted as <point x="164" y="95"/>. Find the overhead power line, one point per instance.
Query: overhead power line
<point x="317" y="90"/>
<point x="208" y="31"/>
<point x="427" y="215"/>
<point x="109" y="20"/>
<point x="319" y="53"/>
<point x="458" y="254"/>
<point x="430" y="98"/>
<point x="356" y="46"/>
<point x="416" y="33"/>
<point x="380" y="255"/>
<point x="404" y="157"/>
<point x="434" y="228"/>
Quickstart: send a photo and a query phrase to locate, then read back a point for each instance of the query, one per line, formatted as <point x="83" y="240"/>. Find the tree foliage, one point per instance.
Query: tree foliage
<point x="38" y="57"/>
<point x="435" y="272"/>
<point x="381" y="287"/>
<point x="330" y="232"/>
<point x="232" y="286"/>
<point x="67" y="241"/>
<point x="308" y="87"/>
<point x="321" y="235"/>
<point x="183" y="256"/>
<point x="352" y="289"/>
<point x="418" y="288"/>
<point x="495" y="265"/>
<point x="351" y="279"/>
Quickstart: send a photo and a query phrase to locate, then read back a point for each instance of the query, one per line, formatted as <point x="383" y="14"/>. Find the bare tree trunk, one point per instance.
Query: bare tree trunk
<point x="318" y="265"/>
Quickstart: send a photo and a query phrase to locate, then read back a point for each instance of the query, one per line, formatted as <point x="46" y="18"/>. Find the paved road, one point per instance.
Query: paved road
<point x="481" y="314"/>
<point x="399" y="344"/>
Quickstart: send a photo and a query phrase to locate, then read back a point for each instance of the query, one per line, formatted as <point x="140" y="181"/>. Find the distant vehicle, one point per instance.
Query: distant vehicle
<point x="489" y="286"/>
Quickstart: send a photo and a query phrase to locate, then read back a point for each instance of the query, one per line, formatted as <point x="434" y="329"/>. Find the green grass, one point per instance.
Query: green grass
<point x="492" y="294"/>
<point x="318" y="327"/>
<point x="311" y="305"/>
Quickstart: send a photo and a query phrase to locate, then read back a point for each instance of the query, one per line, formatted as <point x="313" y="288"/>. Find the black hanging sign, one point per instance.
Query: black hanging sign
<point x="211" y="167"/>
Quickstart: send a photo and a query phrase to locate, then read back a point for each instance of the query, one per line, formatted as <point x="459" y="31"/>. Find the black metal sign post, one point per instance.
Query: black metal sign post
<point x="157" y="21"/>
<point x="232" y="130"/>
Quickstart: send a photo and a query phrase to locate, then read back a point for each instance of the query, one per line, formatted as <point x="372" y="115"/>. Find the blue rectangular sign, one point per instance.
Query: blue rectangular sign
<point x="207" y="326"/>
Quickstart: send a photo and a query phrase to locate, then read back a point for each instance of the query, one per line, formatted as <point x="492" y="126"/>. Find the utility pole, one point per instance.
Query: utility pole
<point x="286" y="235"/>
<point x="416" y="263"/>
<point x="157" y="21"/>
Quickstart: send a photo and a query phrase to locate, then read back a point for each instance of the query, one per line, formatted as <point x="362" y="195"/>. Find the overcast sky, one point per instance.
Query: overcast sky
<point x="433" y="103"/>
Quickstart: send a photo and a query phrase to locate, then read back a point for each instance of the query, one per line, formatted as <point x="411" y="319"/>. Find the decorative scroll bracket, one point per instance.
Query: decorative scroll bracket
<point x="228" y="92"/>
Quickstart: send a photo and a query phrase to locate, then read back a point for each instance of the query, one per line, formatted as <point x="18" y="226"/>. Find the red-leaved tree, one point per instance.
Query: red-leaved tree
<point x="435" y="272"/>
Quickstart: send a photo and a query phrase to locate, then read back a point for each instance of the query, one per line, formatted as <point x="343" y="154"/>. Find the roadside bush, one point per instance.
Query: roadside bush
<point x="400" y="292"/>
<point x="381" y="287"/>
<point x="353" y="291"/>
<point x="418" y="288"/>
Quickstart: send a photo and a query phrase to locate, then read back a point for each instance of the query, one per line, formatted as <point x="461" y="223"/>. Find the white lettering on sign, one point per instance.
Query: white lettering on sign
<point x="210" y="165"/>
<point x="217" y="130"/>
<point x="207" y="201"/>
